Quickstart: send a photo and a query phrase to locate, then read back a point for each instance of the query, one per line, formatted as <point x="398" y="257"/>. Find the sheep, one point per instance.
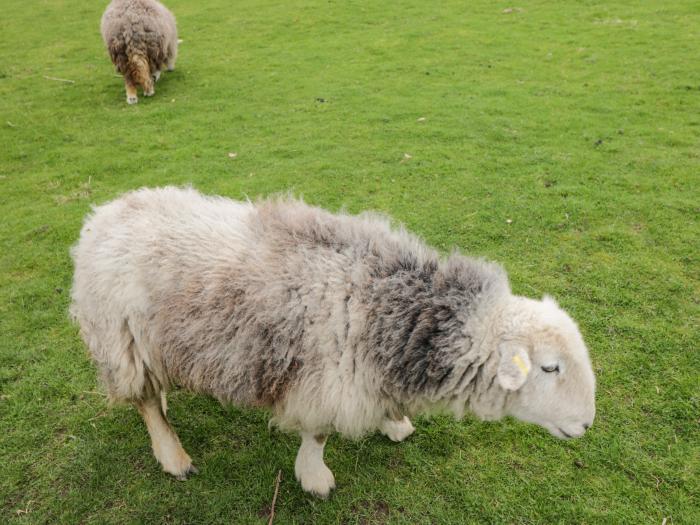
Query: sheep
<point x="336" y="323"/>
<point x="141" y="38"/>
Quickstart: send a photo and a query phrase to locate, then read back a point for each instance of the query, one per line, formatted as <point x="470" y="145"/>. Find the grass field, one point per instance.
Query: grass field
<point x="559" y="138"/>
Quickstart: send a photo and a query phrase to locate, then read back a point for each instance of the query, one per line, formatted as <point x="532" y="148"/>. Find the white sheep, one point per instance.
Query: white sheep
<point x="334" y="322"/>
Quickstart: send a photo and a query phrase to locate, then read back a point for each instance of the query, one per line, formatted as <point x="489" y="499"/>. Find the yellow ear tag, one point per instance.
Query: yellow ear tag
<point x="521" y="365"/>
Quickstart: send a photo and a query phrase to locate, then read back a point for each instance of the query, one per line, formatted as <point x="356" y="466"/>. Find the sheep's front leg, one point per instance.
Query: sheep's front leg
<point x="397" y="430"/>
<point x="166" y="445"/>
<point x="310" y="470"/>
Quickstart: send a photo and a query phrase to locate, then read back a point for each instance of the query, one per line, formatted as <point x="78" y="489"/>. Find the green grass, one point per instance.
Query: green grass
<point x="562" y="139"/>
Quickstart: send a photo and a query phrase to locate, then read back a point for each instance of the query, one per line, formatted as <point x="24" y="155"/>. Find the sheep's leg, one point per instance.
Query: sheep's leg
<point x="156" y="76"/>
<point x="163" y="403"/>
<point x="131" y="96"/>
<point x="166" y="445"/>
<point x="397" y="429"/>
<point x="309" y="468"/>
<point x="149" y="87"/>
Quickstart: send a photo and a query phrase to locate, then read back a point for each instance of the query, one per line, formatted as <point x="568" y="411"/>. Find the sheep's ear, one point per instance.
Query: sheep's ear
<point x="514" y="366"/>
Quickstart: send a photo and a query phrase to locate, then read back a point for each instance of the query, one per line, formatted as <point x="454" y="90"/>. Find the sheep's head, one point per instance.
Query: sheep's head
<point x="544" y="363"/>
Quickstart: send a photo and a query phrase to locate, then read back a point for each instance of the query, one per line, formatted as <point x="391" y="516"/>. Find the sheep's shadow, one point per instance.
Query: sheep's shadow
<point x="237" y="454"/>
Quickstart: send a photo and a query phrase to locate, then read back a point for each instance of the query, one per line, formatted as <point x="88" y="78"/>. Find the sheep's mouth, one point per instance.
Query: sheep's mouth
<point x="565" y="434"/>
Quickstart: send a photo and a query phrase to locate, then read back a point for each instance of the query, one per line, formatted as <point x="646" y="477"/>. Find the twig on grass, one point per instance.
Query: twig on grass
<point x="274" y="498"/>
<point x="101" y="414"/>
<point x="92" y="392"/>
<point x="25" y="510"/>
<point x="59" y="79"/>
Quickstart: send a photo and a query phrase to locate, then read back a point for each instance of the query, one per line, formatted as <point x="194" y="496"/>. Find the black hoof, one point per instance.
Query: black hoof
<point x="190" y="470"/>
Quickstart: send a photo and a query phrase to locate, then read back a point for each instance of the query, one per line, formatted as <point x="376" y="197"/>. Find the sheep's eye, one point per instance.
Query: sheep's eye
<point x="549" y="369"/>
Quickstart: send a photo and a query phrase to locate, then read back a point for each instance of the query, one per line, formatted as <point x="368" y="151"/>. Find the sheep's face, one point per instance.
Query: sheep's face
<point x="544" y="363"/>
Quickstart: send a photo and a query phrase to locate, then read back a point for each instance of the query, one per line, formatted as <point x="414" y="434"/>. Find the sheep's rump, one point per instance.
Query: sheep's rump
<point x="139" y="28"/>
<point x="247" y="302"/>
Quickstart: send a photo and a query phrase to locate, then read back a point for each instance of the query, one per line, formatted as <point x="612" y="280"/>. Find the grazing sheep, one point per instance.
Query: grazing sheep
<point x="141" y="38"/>
<point x="334" y="322"/>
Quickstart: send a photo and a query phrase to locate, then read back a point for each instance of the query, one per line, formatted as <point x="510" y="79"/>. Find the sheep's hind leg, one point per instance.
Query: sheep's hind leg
<point x="166" y="445"/>
<point x="397" y="430"/>
<point x="131" y="96"/>
<point x="309" y="468"/>
<point x="149" y="87"/>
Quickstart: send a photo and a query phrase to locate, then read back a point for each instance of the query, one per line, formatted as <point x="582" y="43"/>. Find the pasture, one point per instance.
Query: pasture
<point x="561" y="139"/>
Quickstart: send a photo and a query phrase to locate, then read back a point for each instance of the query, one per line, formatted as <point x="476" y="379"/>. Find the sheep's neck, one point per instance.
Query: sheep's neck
<point x="430" y="356"/>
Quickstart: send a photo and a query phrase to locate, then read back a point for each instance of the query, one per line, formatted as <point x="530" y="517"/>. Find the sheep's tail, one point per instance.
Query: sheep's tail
<point x="139" y="71"/>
